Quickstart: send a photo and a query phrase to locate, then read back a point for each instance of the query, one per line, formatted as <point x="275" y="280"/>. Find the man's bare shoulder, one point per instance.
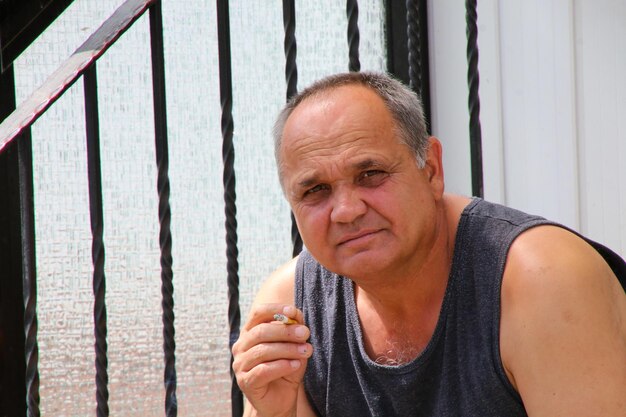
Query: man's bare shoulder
<point x="563" y="326"/>
<point x="279" y="286"/>
<point x="552" y="258"/>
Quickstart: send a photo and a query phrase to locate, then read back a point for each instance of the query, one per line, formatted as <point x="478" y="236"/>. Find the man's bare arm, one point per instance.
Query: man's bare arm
<point x="563" y="327"/>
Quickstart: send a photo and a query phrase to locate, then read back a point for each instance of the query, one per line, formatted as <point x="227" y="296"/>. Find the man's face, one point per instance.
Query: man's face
<point x="362" y="205"/>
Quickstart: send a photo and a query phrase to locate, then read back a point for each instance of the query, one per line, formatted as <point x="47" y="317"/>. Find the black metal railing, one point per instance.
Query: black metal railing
<point x="15" y="132"/>
<point x="407" y="52"/>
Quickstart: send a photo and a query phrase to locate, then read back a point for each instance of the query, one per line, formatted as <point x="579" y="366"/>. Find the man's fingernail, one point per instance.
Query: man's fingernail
<point x="294" y="364"/>
<point x="289" y="311"/>
<point x="300" y="331"/>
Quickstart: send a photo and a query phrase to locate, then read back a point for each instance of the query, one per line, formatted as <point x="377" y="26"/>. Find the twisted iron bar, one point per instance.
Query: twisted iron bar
<point x="474" y="100"/>
<point x="97" y="245"/>
<point x="163" y="187"/>
<point x="29" y="290"/>
<point x="167" y="290"/>
<point x="352" y="12"/>
<point x="413" y="13"/>
<point x="291" y="76"/>
<point x="230" y="208"/>
<point x="230" y="197"/>
<point x="232" y="251"/>
<point x="296" y="239"/>
<point x="290" y="47"/>
<point x="100" y="319"/>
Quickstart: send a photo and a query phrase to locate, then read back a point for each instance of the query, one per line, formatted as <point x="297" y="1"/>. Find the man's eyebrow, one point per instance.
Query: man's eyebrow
<point x="366" y="164"/>
<point x="308" y="181"/>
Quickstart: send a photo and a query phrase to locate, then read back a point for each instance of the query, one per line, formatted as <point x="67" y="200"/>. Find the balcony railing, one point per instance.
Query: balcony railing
<point x="407" y="58"/>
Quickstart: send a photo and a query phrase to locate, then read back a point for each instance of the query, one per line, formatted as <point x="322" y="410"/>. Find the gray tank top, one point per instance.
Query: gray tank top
<point x="460" y="372"/>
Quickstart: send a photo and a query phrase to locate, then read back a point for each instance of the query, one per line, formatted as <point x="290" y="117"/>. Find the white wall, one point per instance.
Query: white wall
<point x="552" y="100"/>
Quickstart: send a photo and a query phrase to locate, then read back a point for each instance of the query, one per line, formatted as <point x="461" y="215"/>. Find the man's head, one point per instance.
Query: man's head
<point x="364" y="207"/>
<point x="402" y="103"/>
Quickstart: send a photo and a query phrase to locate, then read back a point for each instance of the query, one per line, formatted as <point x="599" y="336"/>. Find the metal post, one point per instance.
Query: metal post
<point x="163" y="187"/>
<point x="19" y="376"/>
<point x="97" y="245"/>
<point x="230" y="208"/>
<point x="352" y="12"/>
<point x="291" y="76"/>
<point x="407" y="47"/>
<point x="474" y="100"/>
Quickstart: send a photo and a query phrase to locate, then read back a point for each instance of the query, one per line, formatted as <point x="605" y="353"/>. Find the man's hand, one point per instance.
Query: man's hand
<point x="270" y="359"/>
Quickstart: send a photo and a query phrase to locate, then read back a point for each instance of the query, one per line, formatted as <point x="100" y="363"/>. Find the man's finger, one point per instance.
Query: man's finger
<point x="270" y="352"/>
<point x="259" y="377"/>
<point x="271" y="332"/>
<point x="263" y="313"/>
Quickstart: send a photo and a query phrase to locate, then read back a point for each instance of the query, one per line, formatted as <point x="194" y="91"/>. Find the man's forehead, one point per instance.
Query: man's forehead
<point x="345" y="102"/>
<point x="337" y="93"/>
<point x="333" y="120"/>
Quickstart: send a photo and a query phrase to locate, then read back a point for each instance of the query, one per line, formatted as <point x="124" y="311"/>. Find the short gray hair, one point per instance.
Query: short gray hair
<point x="402" y="102"/>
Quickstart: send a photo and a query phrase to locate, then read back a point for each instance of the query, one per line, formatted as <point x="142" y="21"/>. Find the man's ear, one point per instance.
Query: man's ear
<point x="434" y="166"/>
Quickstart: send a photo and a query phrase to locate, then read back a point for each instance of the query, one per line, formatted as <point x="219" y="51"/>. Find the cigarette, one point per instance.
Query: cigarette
<point x="284" y="319"/>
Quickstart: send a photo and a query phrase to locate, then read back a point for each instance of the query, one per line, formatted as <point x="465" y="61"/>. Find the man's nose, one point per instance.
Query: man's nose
<point x="347" y="205"/>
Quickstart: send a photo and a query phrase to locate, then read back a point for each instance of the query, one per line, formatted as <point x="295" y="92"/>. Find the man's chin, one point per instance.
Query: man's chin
<point x="362" y="263"/>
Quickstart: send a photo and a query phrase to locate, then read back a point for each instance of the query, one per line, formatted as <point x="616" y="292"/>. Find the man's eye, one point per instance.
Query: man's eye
<point x="371" y="173"/>
<point x="372" y="177"/>
<point x="316" y="189"/>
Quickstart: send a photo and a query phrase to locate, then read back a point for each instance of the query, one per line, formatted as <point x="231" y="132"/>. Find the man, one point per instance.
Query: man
<point x="437" y="304"/>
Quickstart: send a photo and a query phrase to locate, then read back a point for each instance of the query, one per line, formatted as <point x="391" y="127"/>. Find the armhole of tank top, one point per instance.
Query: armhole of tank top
<point x="497" y="314"/>
<point x="503" y="256"/>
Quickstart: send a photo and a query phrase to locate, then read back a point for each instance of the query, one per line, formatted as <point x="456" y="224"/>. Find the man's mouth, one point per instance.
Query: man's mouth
<point x="355" y="237"/>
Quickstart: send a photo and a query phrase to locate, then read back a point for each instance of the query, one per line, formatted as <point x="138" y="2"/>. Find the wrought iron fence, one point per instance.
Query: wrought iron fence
<point x="407" y="58"/>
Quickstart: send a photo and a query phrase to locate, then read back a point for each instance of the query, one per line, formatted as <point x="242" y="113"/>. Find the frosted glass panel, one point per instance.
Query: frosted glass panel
<point x="322" y="35"/>
<point x="131" y="225"/>
<point x="63" y="241"/>
<point x="65" y="303"/>
<point x="199" y="251"/>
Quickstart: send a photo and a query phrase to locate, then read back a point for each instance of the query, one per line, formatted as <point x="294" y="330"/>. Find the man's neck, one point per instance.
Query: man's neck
<point x="404" y="311"/>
